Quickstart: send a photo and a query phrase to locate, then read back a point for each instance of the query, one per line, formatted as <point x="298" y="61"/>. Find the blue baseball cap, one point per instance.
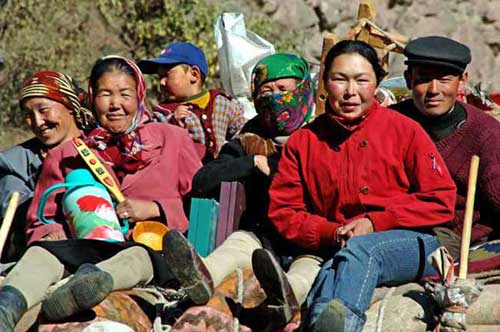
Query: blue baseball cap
<point x="176" y="53"/>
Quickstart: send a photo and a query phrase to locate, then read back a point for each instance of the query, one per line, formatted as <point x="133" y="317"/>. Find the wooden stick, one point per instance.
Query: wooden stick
<point x="329" y="40"/>
<point x="367" y="10"/>
<point x="469" y="211"/>
<point x="8" y="218"/>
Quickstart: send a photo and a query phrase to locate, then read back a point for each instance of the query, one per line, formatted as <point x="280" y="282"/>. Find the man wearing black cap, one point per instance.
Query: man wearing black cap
<point x="436" y="75"/>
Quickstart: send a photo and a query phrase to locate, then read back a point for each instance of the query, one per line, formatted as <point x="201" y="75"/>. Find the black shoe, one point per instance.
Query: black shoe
<point x="12" y="306"/>
<point x="272" y="279"/>
<point x="188" y="267"/>
<point x="88" y="287"/>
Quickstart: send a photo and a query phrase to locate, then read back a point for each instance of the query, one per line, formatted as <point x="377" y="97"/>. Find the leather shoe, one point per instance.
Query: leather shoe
<point x="188" y="267"/>
<point x="280" y="297"/>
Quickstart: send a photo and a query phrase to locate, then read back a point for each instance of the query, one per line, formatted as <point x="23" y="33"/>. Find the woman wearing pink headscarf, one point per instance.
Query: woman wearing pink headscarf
<point x="153" y="163"/>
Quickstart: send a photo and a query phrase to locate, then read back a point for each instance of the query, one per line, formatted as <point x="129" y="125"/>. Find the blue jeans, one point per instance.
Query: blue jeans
<point x="391" y="258"/>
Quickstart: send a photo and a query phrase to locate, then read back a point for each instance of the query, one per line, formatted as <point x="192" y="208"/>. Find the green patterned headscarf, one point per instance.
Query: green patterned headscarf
<point x="289" y="109"/>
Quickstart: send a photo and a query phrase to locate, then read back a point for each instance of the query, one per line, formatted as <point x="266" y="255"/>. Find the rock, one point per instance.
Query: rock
<point x="295" y="12"/>
<point x="492" y="12"/>
<point x="474" y="22"/>
<point x="486" y="310"/>
<point x="403" y="311"/>
<point x="409" y="308"/>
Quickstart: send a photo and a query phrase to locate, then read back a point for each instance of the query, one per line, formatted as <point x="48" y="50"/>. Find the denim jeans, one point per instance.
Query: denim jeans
<point x="390" y="258"/>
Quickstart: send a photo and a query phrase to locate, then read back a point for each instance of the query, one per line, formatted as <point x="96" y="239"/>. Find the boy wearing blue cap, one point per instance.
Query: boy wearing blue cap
<point x="210" y="116"/>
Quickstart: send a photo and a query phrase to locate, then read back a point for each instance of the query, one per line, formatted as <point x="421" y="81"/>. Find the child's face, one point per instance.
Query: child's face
<point x="176" y="82"/>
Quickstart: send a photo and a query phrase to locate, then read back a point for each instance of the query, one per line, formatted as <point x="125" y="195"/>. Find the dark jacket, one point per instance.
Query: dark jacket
<point x="234" y="164"/>
<point x="19" y="170"/>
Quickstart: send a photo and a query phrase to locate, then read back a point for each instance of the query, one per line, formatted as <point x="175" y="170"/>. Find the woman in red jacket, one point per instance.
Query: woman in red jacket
<point x="364" y="179"/>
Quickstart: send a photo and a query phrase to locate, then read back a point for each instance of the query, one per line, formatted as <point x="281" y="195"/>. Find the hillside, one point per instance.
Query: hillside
<point x="69" y="35"/>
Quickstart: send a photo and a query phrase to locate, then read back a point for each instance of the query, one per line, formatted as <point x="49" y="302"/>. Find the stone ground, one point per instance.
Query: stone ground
<point x="474" y="22"/>
<point x="12" y="136"/>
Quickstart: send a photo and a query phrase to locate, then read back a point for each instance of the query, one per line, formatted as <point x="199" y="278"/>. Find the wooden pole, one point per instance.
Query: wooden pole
<point x="8" y="218"/>
<point x="469" y="212"/>
<point x="367" y="10"/>
<point x="329" y="40"/>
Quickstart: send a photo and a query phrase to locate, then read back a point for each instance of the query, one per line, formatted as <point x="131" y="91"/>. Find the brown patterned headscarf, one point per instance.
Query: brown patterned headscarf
<point x="63" y="89"/>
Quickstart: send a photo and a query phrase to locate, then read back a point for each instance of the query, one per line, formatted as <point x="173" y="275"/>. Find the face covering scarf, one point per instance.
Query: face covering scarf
<point x="286" y="111"/>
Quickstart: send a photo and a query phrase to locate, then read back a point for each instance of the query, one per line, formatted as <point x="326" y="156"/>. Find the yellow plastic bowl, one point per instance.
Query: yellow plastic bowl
<point x="150" y="233"/>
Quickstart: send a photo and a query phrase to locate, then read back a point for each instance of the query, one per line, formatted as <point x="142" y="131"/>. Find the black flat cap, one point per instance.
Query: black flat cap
<point x="435" y="50"/>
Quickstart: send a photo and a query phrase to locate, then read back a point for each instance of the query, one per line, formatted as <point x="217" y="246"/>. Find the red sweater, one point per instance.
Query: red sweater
<point x="479" y="135"/>
<point x="385" y="168"/>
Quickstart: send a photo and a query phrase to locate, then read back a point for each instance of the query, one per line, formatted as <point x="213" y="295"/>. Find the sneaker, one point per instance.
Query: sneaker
<point x="338" y="317"/>
<point x="188" y="267"/>
<point x="332" y="318"/>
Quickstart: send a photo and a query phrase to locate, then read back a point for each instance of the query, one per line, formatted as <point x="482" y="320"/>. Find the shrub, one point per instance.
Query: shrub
<point x="147" y="26"/>
<point x="40" y="35"/>
<point x="69" y="35"/>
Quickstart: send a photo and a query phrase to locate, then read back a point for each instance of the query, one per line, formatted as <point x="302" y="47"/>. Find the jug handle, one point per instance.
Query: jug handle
<point x="45" y="197"/>
<point x="125" y="228"/>
<point x="43" y="201"/>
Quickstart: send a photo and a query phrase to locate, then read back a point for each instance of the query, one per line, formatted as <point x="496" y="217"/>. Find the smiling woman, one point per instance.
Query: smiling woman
<point x="51" y="106"/>
<point x="351" y="79"/>
<point x="114" y="95"/>
<point x="116" y="101"/>
<point x="359" y="184"/>
<point x="131" y="147"/>
<point x="153" y="163"/>
<point x="50" y="121"/>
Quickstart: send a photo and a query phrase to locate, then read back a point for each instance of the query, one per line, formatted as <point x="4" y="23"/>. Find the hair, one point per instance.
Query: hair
<point x="187" y="67"/>
<point x="356" y="47"/>
<point x="107" y="65"/>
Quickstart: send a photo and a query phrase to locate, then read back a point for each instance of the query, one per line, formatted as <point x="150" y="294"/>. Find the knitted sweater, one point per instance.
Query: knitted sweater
<point x="214" y="118"/>
<point x="479" y="135"/>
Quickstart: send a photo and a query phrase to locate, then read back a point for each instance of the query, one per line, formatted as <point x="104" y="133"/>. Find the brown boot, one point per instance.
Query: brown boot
<point x="272" y="279"/>
<point x="188" y="267"/>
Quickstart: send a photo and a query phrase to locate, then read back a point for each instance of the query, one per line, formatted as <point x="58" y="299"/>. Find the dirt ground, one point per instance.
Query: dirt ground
<point x="11" y="136"/>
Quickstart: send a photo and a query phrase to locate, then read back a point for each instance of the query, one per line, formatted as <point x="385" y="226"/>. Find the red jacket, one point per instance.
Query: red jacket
<point x="385" y="168"/>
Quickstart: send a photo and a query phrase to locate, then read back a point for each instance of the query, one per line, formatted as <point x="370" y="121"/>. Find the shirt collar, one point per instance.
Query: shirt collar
<point x="351" y="125"/>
